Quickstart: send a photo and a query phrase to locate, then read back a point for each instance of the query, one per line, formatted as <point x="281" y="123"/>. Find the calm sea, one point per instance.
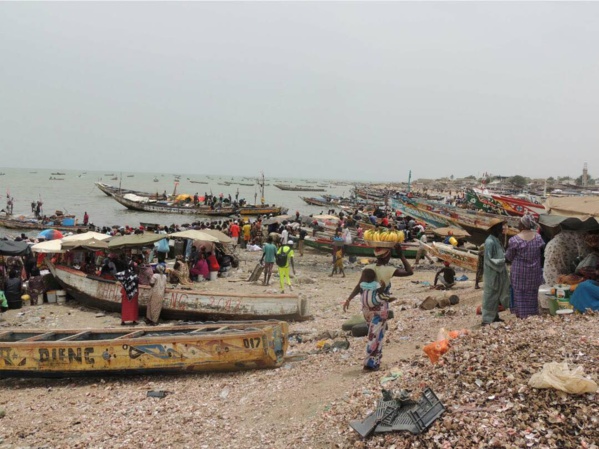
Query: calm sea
<point x="76" y="193"/>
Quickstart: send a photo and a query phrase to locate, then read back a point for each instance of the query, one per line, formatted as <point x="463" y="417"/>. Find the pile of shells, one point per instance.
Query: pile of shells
<point x="483" y="383"/>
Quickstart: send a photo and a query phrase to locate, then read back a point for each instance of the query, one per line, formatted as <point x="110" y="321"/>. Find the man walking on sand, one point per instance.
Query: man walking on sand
<point x="284" y="269"/>
<point x="268" y="257"/>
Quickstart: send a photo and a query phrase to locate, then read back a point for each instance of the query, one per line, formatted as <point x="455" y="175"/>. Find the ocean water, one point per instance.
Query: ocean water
<point x="76" y="193"/>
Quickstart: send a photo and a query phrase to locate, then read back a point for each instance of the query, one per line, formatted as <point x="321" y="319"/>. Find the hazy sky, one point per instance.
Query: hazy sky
<point x="337" y="90"/>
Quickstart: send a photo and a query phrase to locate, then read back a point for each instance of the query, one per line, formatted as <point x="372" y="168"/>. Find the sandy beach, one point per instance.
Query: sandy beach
<point x="309" y="401"/>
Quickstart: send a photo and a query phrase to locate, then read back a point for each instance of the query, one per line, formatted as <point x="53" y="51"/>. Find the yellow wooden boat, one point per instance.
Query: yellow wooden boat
<point x="223" y="346"/>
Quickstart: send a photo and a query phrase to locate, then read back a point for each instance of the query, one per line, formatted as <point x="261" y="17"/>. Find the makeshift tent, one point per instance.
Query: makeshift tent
<point x="134" y="240"/>
<point x="582" y="207"/>
<point x="51" y="246"/>
<point x="91" y="244"/>
<point x="195" y="235"/>
<point x="221" y="236"/>
<point x="86" y="236"/>
<point x="13" y="248"/>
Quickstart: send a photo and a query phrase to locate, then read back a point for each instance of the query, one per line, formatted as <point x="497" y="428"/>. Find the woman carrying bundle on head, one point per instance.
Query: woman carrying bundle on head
<point x="374" y="286"/>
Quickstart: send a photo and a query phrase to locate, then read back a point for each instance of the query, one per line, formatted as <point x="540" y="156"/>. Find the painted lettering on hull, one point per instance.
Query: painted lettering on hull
<point x="64" y="355"/>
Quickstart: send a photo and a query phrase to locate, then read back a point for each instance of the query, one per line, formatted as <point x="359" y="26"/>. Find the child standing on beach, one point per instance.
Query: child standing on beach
<point x="338" y="263"/>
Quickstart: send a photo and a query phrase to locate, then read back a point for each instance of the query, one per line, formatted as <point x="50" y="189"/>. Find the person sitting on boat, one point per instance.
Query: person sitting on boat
<point x="450" y="240"/>
<point x="179" y="274"/>
<point x="200" y="271"/>
<point x="445" y="276"/>
<point x="108" y="270"/>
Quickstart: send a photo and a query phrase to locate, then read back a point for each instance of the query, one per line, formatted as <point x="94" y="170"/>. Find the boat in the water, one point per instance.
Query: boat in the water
<point x="462" y="258"/>
<point x="24" y="223"/>
<point x="111" y="190"/>
<point x="299" y="188"/>
<point x="135" y="202"/>
<point x="190" y="303"/>
<point x="142" y="350"/>
<point x="357" y="249"/>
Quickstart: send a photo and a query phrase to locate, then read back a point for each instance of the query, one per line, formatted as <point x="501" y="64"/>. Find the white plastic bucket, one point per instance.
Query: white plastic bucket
<point x="51" y="295"/>
<point x="213" y="275"/>
<point x="61" y="297"/>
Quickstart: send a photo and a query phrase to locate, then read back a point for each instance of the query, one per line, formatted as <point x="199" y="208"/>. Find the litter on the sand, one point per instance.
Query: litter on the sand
<point x="401" y="413"/>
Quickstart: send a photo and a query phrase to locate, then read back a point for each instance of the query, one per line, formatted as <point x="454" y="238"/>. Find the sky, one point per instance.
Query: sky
<point x="359" y="90"/>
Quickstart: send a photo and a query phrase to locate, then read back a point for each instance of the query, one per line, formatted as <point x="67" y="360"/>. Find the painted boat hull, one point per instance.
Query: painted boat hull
<point x="460" y="258"/>
<point x="142" y="350"/>
<point x="180" y="304"/>
<point x="11" y="223"/>
<point x="358" y="249"/>
<point x="152" y="206"/>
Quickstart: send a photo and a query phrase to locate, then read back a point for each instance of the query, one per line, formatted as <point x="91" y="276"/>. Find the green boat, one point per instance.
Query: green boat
<point x="358" y="249"/>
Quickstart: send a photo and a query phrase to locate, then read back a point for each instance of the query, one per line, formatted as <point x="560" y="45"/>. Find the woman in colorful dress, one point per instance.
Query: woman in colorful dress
<point x="524" y="252"/>
<point x="376" y="312"/>
<point x="129" y="294"/>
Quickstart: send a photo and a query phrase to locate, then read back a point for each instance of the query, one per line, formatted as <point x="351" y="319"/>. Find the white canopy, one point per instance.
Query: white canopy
<point x="55" y="246"/>
<point x="85" y="236"/>
<point x="195" y="235"/>
<point x="51" y="246"/>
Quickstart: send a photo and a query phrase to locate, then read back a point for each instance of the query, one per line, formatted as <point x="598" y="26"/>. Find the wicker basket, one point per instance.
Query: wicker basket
<point x="380" y="244"/>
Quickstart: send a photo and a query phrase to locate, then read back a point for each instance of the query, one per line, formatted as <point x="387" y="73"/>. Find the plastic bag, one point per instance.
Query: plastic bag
<point x="436" y="349"/>
<point x="558" y="375"/>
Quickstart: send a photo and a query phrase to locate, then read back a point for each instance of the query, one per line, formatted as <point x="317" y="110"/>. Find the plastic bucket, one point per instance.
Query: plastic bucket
<point x="552" y="302"/>
<point x="51" y="295"/>
<point x="61" y="296"/>
<point x="213" y="275"/>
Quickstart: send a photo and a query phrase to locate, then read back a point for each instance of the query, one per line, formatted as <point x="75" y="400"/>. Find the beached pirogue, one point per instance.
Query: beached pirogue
<point x="220" y="346"/>
<point x="182" y="304"/>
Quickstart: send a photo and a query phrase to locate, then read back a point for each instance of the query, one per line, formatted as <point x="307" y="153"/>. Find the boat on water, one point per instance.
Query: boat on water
<point x="357" y="249"/>
<point x="24" y="223"/>
<point x="299" y="188"/>
<point x="53" y="178"/>
<point x="462" y="258"/>
<point x="190" y="303"/>
<point x="57" y="174"/>
<point x="142" y="350"/>
<point x="145" y="204"/>
<point x="315" y="201"/>
<point x="197" y="182"/>
<point x="111" y="190"/>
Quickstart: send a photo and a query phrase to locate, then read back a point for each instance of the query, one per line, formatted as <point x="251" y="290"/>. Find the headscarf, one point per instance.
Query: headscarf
<point x="527" y="222"/>
<point x="160" y="268"/>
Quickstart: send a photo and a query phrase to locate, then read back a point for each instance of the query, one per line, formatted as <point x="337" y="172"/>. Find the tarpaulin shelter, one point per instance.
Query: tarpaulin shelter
<point x="582" y="207"/>
<point x="14" y="248"/>
<point x="195" y="235"/>
<point x="134" y="240"/>
<point x="91" y="244"/>
<point x="49" y="247"/>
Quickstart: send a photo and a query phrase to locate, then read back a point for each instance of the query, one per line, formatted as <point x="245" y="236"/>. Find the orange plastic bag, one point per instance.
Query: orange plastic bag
<point x="436" y="349"/>
<point x="456" y="334"/>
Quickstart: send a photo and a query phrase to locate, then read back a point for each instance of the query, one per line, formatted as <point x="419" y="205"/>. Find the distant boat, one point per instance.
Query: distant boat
<point x="130" y="176"/>
<point x="155" y="179"/>
<point x="108" y="174"/>
<point x="29" y="172"/>
<point x="57" y="174"/>
<point x="52" y="178"/>
<point x="116" y="178"/>
<point x="197" y="182"/>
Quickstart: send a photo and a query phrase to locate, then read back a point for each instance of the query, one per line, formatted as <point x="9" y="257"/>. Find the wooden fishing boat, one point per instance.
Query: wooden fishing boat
<point x="503" y="204"/>
<point x="465" y="259"/>
<point x="299" y="188"/>
<point x="182" y="303"/>
<point x="142" y="350"/>
<point x="476" y="223"/>
<point x="198" y="182"/>
<point x="261" y="210"/>
<point x="358" y="249"/>
<point x="111" y="190"/>
<point x="316" y="201"/>
<point x="33" y="223"/>
<point x="149" y="205"/>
